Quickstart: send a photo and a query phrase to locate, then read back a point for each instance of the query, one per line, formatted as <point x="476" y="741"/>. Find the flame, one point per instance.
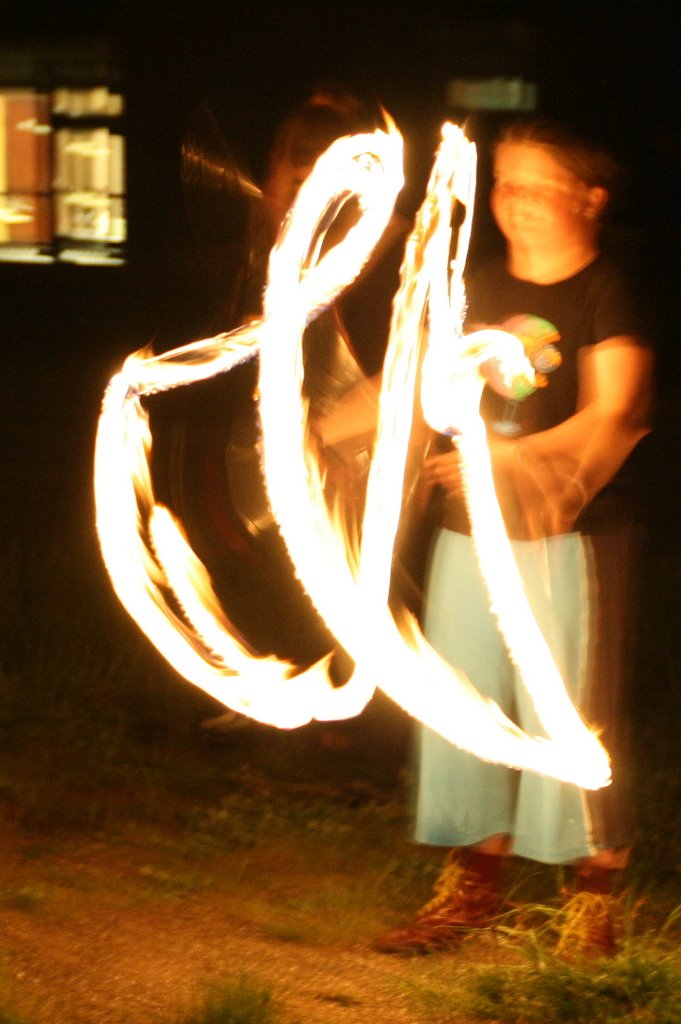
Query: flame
<point x="157" y="577"/>
<point x="155" y="573"/>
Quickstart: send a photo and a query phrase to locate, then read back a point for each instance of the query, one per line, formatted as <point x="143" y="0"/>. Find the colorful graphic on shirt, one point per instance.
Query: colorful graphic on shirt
<point x="540" y="339"/>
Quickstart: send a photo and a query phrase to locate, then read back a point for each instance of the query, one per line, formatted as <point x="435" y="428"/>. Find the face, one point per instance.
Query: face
<point x="291" y="167"/>
<point x="284" y="183"/>
<point x="538" y="203"/>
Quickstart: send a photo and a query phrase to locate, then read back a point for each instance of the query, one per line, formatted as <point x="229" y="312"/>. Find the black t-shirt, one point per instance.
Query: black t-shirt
<point x="554" y="322"/>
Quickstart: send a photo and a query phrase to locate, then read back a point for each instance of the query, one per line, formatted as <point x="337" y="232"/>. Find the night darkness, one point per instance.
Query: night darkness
<point x="611" y="71"/>
<point x="107" y="768"/>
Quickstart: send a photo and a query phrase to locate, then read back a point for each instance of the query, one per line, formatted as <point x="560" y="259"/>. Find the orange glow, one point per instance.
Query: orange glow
<point x="348" y="580"/>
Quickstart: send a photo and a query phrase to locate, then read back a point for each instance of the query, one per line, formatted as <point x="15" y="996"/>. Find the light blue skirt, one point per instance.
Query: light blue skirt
<point x="462" y="800"/>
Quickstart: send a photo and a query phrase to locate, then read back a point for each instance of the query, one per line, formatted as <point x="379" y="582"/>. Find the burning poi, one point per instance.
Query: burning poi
<point x="167" y="589"/>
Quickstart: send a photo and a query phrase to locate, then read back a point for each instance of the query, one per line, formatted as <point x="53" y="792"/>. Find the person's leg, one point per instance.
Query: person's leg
<point x="553" y="822"/>
<point x="588" y="622"/>
<point x="463" y="803"/>
<point x="462" y="800"/>
<point x="586" y="921"/>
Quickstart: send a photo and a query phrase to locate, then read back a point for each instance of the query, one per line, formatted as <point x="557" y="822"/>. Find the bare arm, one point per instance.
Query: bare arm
<point x="557" y="472"/>
<point x="354" y="415"/>
<point x="546" y="479"/>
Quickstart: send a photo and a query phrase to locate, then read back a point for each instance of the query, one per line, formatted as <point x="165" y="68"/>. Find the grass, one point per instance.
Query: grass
<point x="22" y="897"/>
<point x="234" y="1001"/>
<point x="8" y="1017"/>
<point x="78" y="677"/>
<point x="99" y="740"/>
<point x="635" y="987"/>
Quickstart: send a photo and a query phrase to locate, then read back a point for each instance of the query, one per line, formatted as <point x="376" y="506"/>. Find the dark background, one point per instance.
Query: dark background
<point x="65" y="329"/>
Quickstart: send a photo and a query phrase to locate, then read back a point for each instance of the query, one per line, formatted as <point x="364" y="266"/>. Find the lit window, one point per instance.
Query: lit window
<point x="62" y="176"/>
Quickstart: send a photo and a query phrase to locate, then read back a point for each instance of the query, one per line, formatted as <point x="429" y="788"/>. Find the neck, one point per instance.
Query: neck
<point x="550" y="266"/>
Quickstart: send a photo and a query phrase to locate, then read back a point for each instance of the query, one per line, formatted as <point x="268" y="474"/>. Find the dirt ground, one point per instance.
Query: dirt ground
<point x="89" y="952"/>
<point x="143" y="966"/>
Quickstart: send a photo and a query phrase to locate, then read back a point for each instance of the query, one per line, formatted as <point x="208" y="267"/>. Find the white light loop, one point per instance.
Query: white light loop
<point x="154" y="570"/>
<point x="354" y="604"/>
<point x="151" y="566"/>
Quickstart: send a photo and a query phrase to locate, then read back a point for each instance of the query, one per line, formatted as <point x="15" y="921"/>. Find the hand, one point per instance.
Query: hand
<point x="444" y="470"/>
<point x="539" y="497"/>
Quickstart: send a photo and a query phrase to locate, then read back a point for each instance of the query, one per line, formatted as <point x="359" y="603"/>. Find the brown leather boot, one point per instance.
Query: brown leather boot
<point x="586" y="921"/>
<point x="586" y="927"/>
<point x="466" y="898"/>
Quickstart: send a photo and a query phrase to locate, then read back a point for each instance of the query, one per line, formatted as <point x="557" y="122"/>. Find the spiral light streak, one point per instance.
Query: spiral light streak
<point x="146" y="555"/>
<point x="152" y="568"/>
<point x="167" y="589"/>
<point x="451" y="390"/>
<point x="354" y="603"/>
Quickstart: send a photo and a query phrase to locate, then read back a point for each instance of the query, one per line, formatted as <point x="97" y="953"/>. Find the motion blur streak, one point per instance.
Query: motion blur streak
<point x="346" y="576"/>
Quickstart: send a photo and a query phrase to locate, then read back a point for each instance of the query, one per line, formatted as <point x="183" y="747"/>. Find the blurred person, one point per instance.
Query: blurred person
<point x="220" y="491"/>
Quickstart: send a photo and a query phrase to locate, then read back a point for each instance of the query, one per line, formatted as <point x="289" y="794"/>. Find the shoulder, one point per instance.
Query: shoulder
<point x="485" y="285"/>
<point x="613" y="297"/>
<point x="605" y="273"/>
<point x="492" y="270"/>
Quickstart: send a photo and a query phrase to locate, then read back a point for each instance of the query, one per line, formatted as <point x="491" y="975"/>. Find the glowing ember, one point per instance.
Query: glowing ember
<point x="154" y="571"/>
